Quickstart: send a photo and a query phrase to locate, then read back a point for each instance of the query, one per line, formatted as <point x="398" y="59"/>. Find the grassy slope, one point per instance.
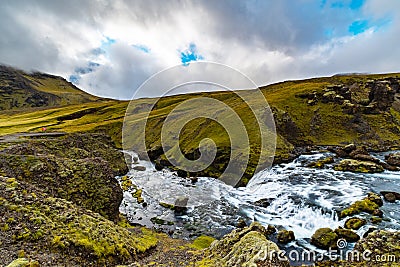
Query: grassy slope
<point x="320" y="124"/>
<point x="21" y="90"/>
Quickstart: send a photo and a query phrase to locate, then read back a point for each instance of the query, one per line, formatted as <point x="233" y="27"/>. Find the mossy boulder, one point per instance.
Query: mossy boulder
<point x="244" y="247"/>
<point x="321" y="163"/>
<point x="324" y="238"/>
<point x="285" y="236"/>
<point x="355" y="223"/>
<point x="368" y="204"/>
<point x="353" y="165"/>
<point x="80" y="168"/>
<point x="57" y="232"/>
<point x="393" y="159"/>
<point x="348" y="235"/>
<point x="23" y="262"/>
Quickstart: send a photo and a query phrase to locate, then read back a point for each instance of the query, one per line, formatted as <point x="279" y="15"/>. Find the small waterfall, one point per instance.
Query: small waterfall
<point x="289" y="196"/>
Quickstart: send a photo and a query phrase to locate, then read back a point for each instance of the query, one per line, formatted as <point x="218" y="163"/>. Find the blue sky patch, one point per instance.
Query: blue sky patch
<point x="190" y="54"/>
<point x="142" y="48"/>
<point x="356" y="4"/>
<point x="107" y="42"/>
<point x="353" y="4"/>
<point x="358" y="26"/>
<point x="75" y="78"/>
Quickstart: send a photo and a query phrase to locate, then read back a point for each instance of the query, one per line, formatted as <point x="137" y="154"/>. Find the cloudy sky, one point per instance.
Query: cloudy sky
<point x="109" y="48"/>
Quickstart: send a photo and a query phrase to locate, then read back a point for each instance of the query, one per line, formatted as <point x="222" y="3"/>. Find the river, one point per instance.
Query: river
<point x="289" y="196"/>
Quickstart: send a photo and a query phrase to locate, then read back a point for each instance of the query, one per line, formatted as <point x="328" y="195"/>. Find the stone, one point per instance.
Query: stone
<point x="353" y="165"/>
<point x="181" y="206"/>
<point x="349" y="148"/>
<point x="245" y="247"/>
<point x="139" y="168"/>
<point x="324" y="238"/>
<point x="241" y="223"/>
<point x="264" y="202"/>
<point x="390" y="196"/>
<point x="377" y="213"/>
<point x="285" y="236"/>
<point x="368" y="204"/>
<point x="321" y="163"/>
<point x="347" y="234"/>
<point x="355" y="223"/>
<point x="393" y="159"/>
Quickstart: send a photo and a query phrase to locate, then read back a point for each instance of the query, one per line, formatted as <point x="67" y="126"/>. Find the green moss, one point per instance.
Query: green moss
<point x="368" y="205"/>
<point x="202" y="242"/>
<point x="67" y="227"/>
<point x="167" y="206"/>
<point x="324" y="238"/>
<point x="376" y="220"/>
<point x="355" y="223"/>
<point x="321" y="163"/>
<point x="138" y="195"/>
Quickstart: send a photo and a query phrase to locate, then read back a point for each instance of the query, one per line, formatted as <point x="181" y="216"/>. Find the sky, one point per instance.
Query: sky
<point x="110" y="47"/>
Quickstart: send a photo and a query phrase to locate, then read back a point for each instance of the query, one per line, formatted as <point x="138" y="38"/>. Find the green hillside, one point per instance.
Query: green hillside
<point x="19" y="90"/>
<point x="361" y="109"/>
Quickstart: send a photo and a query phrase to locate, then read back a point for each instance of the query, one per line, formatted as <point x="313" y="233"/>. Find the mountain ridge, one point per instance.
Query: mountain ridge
<point x="324" y="111"/>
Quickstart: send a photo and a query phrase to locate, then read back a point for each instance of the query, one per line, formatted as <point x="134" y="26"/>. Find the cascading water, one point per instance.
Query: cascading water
<point x="289" y="196"/>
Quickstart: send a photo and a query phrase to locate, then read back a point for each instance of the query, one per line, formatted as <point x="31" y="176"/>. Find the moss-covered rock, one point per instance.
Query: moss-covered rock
<point x="324" y="238"/>
<point x="56" y="232"/>
<point x="353" y="165"/>
<point x="348" y="235"/>
<point x="244" y="247"/>
<point x="321" y="163"/>
<point x="77" y="167"/>
<point x="285" y="236"/>
<point x="369" y="204"/>
<point x="355" y="223"/>
<point x="393" y="159"/>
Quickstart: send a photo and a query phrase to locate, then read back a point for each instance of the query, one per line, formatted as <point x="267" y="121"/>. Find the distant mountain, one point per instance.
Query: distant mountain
<point x="326" y="111"/>
<point x="19" y="90"/>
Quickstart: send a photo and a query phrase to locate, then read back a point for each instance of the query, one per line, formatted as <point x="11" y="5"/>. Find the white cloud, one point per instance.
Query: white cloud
<point x="267" y="40"/>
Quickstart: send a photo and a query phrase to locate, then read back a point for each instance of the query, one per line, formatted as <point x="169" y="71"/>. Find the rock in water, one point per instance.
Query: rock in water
<point x="245" y="247"/>
<point x="393" y="159"/>
<point x="368" y="204"/>
<point x="285" y="236"/>
<point x="348" y="235"/>
<point x="324" y="238"/>
<point x="390" y="196"/>
<point x="355" y="223"/>
<point x="139" y="168"/>
<point x="353" y="165"/>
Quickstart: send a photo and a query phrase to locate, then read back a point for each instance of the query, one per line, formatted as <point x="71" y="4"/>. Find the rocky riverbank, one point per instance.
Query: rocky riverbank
<point x="60" y="207"/>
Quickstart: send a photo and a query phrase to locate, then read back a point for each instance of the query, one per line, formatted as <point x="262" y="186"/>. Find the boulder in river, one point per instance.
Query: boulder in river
<point x="324" y="238"/>
<point x="321" y="163"/>
<point x="390" y="196"/>
<point x="285" y="236"/>
<point x="353" y="165"/>
<point x="368" y="204"/>
<point x="245" y="247"/>
<point x="355" y="223"/>
<point x="393" y="159"/>
<point x="139" y="168"/>
<point x="347" y="234"/>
